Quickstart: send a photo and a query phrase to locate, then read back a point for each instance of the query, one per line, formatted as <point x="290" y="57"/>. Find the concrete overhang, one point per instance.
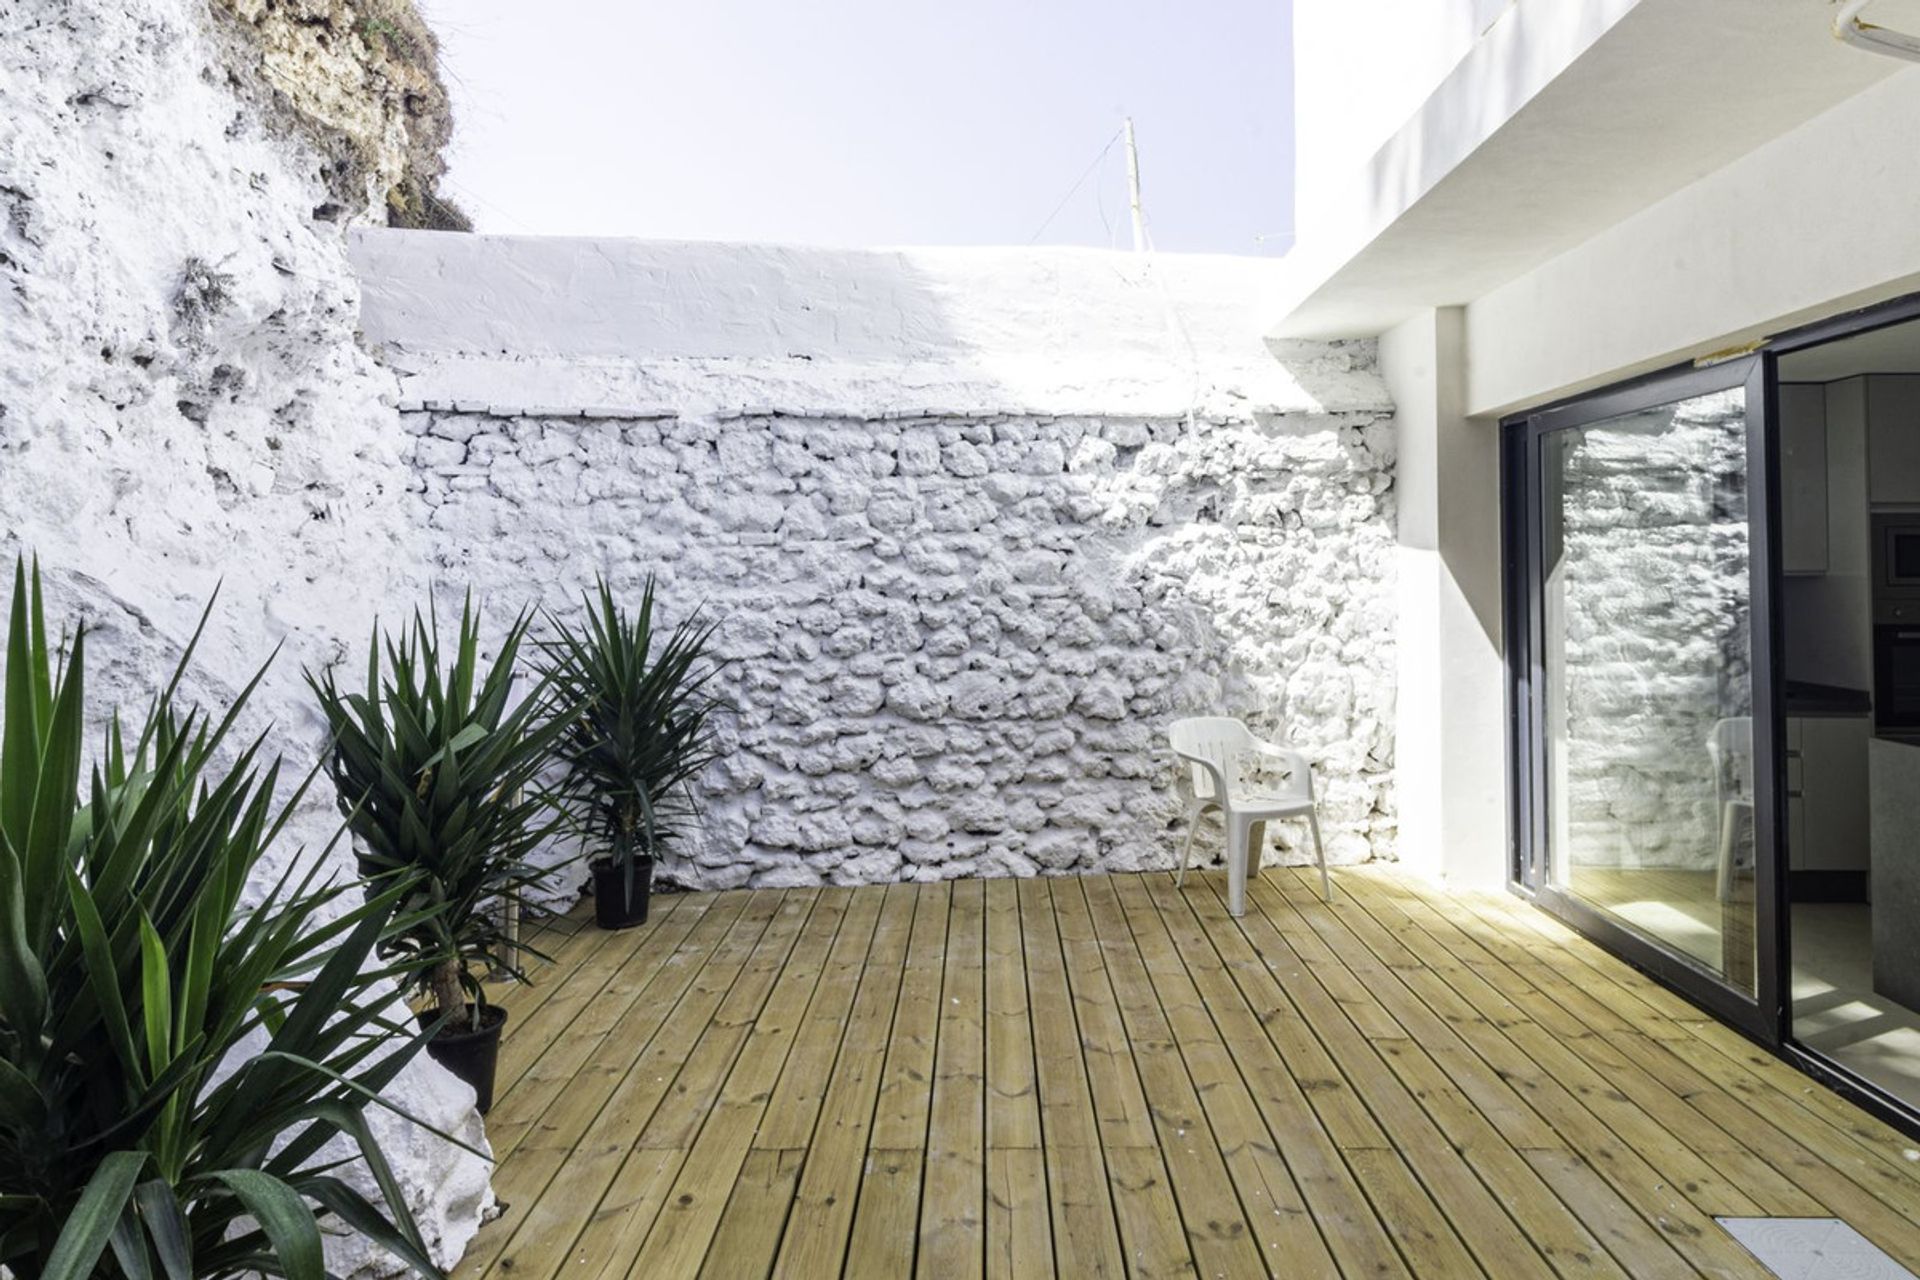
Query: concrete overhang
<point x="1562" y="120"/>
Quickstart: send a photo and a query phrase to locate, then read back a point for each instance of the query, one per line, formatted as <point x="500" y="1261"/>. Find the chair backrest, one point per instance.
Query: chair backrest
<point x="1730" y="747"/>
<point x="1220" y="739"/>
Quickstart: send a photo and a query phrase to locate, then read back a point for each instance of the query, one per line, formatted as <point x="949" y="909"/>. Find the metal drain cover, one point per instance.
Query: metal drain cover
<point x="1813" y="1249"/>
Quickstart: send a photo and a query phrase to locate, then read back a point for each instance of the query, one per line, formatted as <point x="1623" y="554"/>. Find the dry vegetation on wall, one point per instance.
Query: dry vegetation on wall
<point x="361" y="79"/>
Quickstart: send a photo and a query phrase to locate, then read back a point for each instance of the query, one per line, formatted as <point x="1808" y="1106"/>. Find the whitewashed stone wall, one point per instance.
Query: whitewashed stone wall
<point x="955" y="643"/>
<point x="974" y="526"/>
<point x="183" y="405"/>
<point x="1651" y="619"/>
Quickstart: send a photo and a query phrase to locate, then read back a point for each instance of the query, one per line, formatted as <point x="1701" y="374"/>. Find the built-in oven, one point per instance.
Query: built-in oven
<point x="1896" y="557"/>
<point x="1896" y="623"/>
<point x="1896" y="679"/>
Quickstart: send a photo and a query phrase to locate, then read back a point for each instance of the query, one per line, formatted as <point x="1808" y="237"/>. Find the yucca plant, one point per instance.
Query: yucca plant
<point x="640" y="727"/>
<point x="436" y="770"/>
<point x="172" y="1060"/>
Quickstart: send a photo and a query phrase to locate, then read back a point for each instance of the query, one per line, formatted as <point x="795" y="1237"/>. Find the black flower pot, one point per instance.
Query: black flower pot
<point x="471" y="1055"/>
<point x="616" y="903"/>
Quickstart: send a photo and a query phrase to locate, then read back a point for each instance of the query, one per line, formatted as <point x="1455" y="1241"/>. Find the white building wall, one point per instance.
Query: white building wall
<point x="1816" y="222"/>
<point x="1450" y="713"/>
<point x="1811" y="223"/>
<point x="1363" y="67"/>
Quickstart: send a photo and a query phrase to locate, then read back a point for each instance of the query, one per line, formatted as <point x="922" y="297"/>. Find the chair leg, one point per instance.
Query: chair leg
<point x="1256" y="845"/>
<point x="1237" y="836"/>
<point x="1320" y="853"/>
<point x="1186" y="850"/>
<point x="1723" y="881"/>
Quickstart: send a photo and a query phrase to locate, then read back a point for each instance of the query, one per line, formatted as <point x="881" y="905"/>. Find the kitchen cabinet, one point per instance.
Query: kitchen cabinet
<point x="1803" y="477"/>
<point x="1893" y="440"/>
<point x="1828" y="816"/>
<point x="1895" y="778"/>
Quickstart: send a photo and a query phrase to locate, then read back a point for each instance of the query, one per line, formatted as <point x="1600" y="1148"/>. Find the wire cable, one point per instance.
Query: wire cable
<point x="1077" y="184"/>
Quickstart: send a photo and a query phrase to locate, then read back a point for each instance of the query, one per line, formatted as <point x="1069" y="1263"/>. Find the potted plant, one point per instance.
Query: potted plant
<point x="638" y="727"/>
<point x="175" y="1050"/>
<point x="435" y="768"/>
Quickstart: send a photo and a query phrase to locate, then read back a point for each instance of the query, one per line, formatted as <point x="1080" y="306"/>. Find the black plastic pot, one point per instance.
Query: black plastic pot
<point x="471" y="1055"/>
<point x="613" y="906"/>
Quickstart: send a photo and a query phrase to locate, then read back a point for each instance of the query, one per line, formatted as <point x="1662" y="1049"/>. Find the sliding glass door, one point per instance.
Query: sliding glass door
<point x="1638" y="615"/>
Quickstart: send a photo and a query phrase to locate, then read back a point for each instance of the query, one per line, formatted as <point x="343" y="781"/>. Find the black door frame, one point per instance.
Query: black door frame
<point x="1768" y="1019"/>
<point x="1524" y="554"/>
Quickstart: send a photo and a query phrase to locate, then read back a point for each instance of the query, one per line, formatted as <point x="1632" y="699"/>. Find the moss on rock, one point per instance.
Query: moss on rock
<point x="361" y="78"/>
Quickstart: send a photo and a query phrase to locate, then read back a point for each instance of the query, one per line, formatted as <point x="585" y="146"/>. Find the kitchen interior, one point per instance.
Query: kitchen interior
<point x="1849" y="442"/>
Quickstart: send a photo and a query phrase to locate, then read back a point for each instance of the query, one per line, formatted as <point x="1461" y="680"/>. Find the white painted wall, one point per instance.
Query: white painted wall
<point x="1397" y="104"/>
<point x="1362" y="67"/>
<point x="1449" y="720"/>
<point x="1069" y="329"/>
<point x="1813" y="223"/>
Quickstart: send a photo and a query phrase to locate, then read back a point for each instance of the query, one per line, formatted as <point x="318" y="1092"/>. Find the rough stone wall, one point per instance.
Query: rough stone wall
<point x="1652" y="626"/>
<point x="183" y="405"/>
<point x="956" y="641"/>
<point x="360" y="79"/>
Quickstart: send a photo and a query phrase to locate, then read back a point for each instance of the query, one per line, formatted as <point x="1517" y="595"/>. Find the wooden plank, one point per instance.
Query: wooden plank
<point x="1359" y="1242"/>
<point x="716" y="1128"/>
<point x="1679" y="1026"/>
<point x="1516" y="1047"/>
<point x="815" y="1241"/>
<point x="1013" y="1106"/>
<point x="536" y="1143"/>
<point x="886" y="1227"/>
<point x="1080" y="1204"/>
<point x="1475" y="1211"/>
<point x="953" y="1201"/>
<point x="1019" y="1239"/>
<point x="691" y="1045"/>
<point x="1108" y="1076"/>
<point x="1119" y="1104"/>
<point x="900" y="1111"/>
<point x="890" y="1176"/>
<point x="748" y="1235"/>
<point x="591" y="982"/>
<point x="1019" y="1235"/>
<point x="1466" y="1097"/>
<point x="557" y="1062"/>
<point x="1282" y="1226"/>
<point x="1782" y="1153"/>
<point x="1152" y="1234"/>
<point x="1217" y="1229"/>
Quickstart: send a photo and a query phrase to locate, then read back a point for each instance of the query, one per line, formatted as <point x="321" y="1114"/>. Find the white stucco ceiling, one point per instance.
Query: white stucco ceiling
<point x="1894" y="349"/>
<point x="1670" y="91"/>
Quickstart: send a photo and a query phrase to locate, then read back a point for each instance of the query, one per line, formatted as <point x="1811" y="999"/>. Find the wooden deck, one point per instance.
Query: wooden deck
<point x="1105" y="1076"/>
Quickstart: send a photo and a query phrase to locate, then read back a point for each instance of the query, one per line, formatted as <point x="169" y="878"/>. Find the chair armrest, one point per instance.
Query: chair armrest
<point x="1213" y="772"/>
<point x="1297" y="763"/>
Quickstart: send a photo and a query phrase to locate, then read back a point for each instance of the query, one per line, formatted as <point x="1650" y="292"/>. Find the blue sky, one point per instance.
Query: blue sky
<point x="872" y="122"/>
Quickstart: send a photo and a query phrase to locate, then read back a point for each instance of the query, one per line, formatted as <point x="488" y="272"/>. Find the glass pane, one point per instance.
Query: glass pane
<point x="1906" y="556"/>
<point x="1649" y="795"/>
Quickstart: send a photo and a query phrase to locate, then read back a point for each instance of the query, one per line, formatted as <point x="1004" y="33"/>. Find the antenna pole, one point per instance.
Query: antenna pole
<point x="1133" y="192"/>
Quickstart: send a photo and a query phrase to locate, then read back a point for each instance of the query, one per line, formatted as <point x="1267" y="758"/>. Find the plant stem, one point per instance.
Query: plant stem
<point x="445" y="981"/>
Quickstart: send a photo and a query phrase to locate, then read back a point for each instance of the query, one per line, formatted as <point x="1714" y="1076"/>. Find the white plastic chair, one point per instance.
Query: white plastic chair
<point x="1730" y="748"/>
<point x="1210" y="748"/>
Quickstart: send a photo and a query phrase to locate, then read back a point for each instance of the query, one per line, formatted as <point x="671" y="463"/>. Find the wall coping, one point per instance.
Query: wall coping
<point x="631" y="328"/>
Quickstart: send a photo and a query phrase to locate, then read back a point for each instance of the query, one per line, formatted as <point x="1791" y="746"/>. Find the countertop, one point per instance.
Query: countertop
<point x="1804" y="698"/>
